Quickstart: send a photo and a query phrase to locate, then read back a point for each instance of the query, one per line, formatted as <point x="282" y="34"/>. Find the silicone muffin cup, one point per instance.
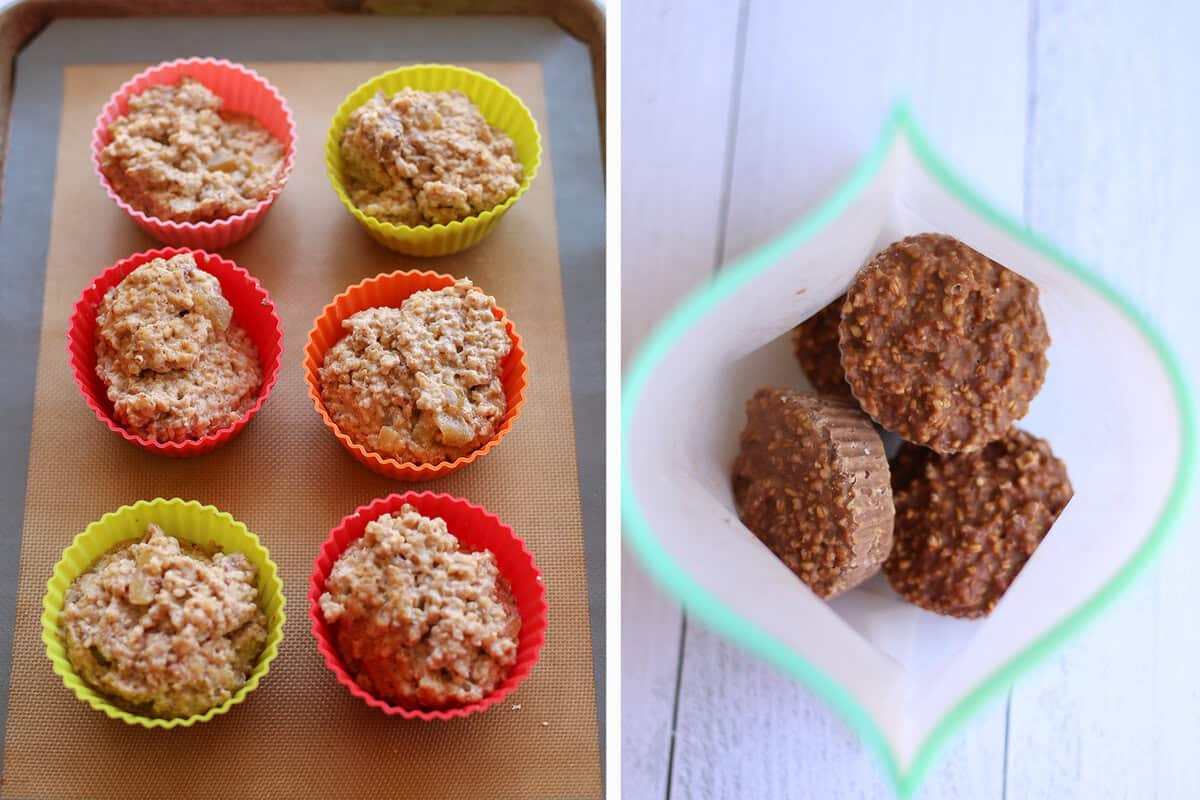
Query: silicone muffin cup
<point x="241" y="90"/>
<point x="252" y="309"/>
<point x="391" y="290"/>
<point x="184" y="520"/>
<point x="476" y="529"/>
<point x="499" y="106"/>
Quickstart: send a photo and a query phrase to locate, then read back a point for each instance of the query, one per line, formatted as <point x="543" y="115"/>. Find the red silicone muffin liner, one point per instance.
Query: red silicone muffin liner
<point x="391" y="290"/>
<point x="476" y="529"/>
<point x="252" y="309"/>
<point x="243" y="91"/>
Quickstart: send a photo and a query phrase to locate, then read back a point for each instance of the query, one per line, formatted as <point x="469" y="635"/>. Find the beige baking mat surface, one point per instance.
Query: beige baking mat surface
<point x="301" y="734"/>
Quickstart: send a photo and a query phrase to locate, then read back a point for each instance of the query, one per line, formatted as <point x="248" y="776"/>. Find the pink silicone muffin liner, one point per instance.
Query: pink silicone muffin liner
<point x="476" y="529"/>
<point x="243" y="91"/>
<point x="252" y="309"/>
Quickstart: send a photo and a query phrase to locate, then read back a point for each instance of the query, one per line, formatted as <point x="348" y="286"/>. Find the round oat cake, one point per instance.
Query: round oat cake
<point x="967" y="523"/>
<point x="174" y="363"/>
<point x="164" y="628"/>
<point x="942" y="345"/>
<point x="425" y="158"/>
<point x="176" y="155"/>
<point x="418" y="621"/>
<point x="420" y="383"/>
<point x="811" y="482"/>
<point x="815" y="343"/>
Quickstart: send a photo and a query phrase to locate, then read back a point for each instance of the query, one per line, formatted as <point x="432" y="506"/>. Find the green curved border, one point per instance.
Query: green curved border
<point x="729" y="624"/>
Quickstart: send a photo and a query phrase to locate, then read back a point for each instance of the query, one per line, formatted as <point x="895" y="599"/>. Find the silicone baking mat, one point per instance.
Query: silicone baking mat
<point x="301" y="733"/>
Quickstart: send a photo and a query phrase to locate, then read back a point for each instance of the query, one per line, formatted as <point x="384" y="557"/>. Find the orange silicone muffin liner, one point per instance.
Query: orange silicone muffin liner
<point x="391" y="290"/>
<point x="476" y="529"/>
<point x="252" y="309"/>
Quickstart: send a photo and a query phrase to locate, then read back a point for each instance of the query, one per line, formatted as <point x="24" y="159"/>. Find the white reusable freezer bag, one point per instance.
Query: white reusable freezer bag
<point x="1115" y="408"/>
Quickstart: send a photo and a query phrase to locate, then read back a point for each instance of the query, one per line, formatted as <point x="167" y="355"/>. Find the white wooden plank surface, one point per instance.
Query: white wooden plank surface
<point x="799" y="133"/>
<point x="677" y="63"/>
<point x="675" y="56"/>
<point x="1113" y="172"/>
<point x="743" y="729"/>
<point x="1104" y="96"/>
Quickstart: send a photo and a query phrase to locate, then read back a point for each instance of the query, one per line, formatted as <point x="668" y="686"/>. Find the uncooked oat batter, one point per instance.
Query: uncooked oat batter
<point x="175" y="365"/>
<point x="420" y="383"/>
<point x="419" y="622"/>
<point x="160" y="316"/>
<point x="423" y="158"/>
<point x="164" y="628"/>
<point x="176" y="155"/>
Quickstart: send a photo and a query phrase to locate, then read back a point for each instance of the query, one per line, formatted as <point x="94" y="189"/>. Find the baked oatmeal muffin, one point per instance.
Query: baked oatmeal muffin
<point x="419" y="622"/>
<point x="811" y="481"/>
<point x="176" y="155"/>
<point x="420" y="383"/>
<point x="164" y="628"/>
<point x="941" y="344"/>
<point x="815" y="343"/>
<point x="424" y="158"/>
<point x="174" y="363"/>
<point x="967" y="523"/>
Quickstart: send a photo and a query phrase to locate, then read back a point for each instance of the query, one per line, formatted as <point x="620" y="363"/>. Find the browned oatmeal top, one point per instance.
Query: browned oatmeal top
<point x="967" y="523"/>
<point x="815" y="342"/>
<point x="811" y="481"/>
<point x="176" y="155"/>
<point x="941" y="344"/>
<point x="420" y="622"/>
<point x="423" y="158"/>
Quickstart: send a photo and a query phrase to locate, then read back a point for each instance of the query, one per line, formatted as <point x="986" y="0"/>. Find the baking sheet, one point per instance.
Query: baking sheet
<point x="290" y="482"/>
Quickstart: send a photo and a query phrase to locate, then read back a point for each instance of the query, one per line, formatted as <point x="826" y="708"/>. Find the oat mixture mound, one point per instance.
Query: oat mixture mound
<point x="942" y="345"/>
<point x="420" y="383"/>
<point x="811" y="482"/>
<point x="174" y="363"/>
<point x="419" y="622"/>
<point x="164" y="628"/>
<point x="161" y="315"/>
<point x="175" y="155"/>
<point x="967" y="523"/>
<point x="815" y="343"/>
<point x="424" y="158"/>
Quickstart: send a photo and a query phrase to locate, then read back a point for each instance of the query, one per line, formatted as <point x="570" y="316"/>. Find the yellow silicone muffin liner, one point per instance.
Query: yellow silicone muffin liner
<point x="499" y="106"/>
<point x="183" y="519"/>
